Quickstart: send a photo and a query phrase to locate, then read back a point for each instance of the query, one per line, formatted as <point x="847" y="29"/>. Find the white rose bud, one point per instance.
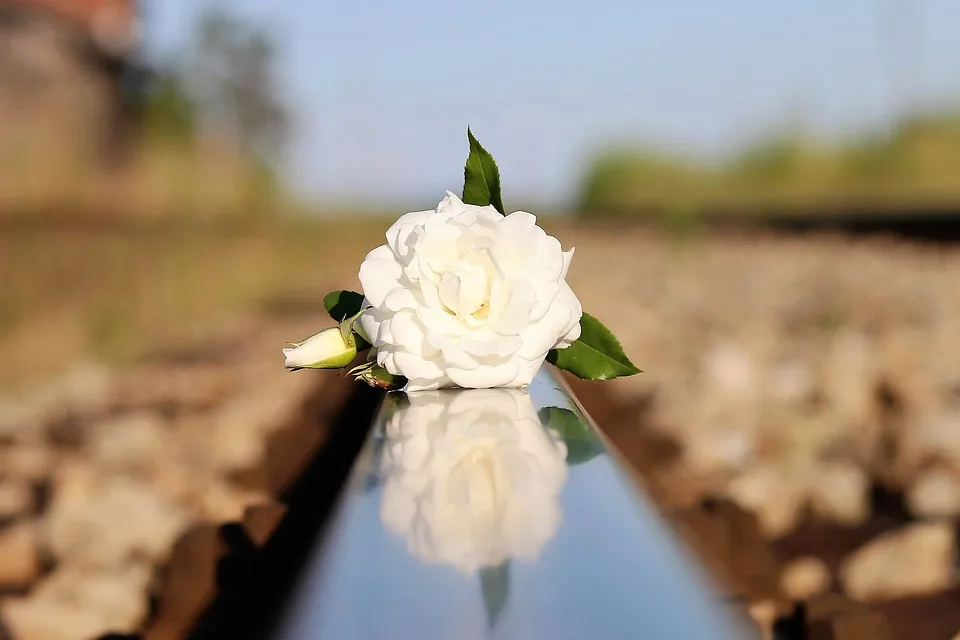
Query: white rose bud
<point x="464" y="296"/>
<point x="325" y="350"/>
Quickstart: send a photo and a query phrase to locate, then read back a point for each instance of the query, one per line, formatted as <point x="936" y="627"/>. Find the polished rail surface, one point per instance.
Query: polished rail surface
<point x="497" y="513"/>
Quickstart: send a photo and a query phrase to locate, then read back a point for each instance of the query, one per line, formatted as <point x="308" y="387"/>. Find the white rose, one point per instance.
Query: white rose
<point x="464" y="296"/>
<point x="472" y="478"/>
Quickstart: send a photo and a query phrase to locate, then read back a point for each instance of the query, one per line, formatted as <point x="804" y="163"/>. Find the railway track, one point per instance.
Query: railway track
<point x="378" y="541"/>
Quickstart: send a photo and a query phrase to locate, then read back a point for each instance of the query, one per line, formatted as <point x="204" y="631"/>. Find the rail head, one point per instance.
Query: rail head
<point x="497" y="513"/>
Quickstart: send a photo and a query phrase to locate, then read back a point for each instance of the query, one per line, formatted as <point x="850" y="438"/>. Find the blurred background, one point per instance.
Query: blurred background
<point x="764" y="197"/>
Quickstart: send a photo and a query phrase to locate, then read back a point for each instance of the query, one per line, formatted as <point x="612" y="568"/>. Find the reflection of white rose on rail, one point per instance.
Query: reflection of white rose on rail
<point x="472" y="478"/>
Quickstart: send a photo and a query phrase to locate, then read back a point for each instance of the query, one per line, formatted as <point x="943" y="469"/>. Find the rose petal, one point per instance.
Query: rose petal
<point x="518" y="222"/>
<point x="426" y="384"/>
<point x="546" y="293"/>
<point x="567" y="259"/>
<point x="400" y="298"/>
<point x="379" y="274"/>
<point x="399" y="232"/>
<point x="514" y="316"/>
<point x="541" y="336"/>
<point x="550" y="256"/>
<point x="485" y="344"/>
<point x="454" y="356"/>
<point x="439" y="321"/>
<point x="410" y="365"/>
<point x="486" y="377"/>
<point x="370" y="324"/>
<point x="407" y="331"/>
<point x="451" y="205"/>
<point x="568" y="298"/>
<point x="449" y="290"/>
<point x="528" y="370"/>
<point x="431" y="297"/>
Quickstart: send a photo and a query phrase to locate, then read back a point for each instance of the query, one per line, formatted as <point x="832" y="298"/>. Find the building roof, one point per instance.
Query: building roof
<point x="114" y="25"/>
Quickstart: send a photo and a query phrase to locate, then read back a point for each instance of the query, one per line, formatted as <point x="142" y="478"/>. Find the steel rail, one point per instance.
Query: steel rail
<point x="497" y="514"/>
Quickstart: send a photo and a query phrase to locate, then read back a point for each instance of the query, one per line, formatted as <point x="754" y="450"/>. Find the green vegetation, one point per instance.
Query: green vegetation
<point x="169" y="113"/>
<point x="915" y="165"/>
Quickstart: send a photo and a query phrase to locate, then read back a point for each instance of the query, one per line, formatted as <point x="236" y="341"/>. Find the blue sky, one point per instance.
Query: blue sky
<point x="383" y="90"/>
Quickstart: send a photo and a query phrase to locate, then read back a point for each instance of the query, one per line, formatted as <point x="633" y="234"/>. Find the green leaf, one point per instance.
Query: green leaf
<point x="596" y="355"/>
<point x="582" y="443"/>
<point x="481" y="178"/>
<point x="343" y="304"/>
<point x="345" y="307"/>
<point x="495" y="587"/>
<point x="349" y="331"/>
<point x="346" y="327"/>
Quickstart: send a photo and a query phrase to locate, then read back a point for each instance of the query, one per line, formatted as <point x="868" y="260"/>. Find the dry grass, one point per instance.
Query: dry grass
<point x="110" y="293"/>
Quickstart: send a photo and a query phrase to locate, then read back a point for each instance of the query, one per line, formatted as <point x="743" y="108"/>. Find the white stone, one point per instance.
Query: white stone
<point x="128" y="443"/>
<point x="75" y="604"/>
<point x="935" y="494"/>
<point x="776" y="495"/>
<point x="730" y="368"/>
<point x="19" y="556"/>
<point x="16" y="499"/>
<point x="792" y="382"/>
<point x="102" y="521"/>
<point x="718" y="450"/>
<point x="805" y="577"/>
<point x="912" y="561"/>
<point x="840" y="492"/>
<point x="31" y="462"/>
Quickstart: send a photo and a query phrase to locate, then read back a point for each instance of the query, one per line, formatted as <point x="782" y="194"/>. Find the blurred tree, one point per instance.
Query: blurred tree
<point x="222" y="87"/>
<point x="773" y="159"/>
<point x="232" y="76"/>
<point x="170" y="113"/>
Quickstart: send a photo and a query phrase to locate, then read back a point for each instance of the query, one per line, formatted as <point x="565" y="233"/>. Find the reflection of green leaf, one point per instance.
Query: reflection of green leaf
<point x="595" y="355"/>
<point x="495" y="586"/>
<point x="582" y="443"/>
<point x="481" y="178"/>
